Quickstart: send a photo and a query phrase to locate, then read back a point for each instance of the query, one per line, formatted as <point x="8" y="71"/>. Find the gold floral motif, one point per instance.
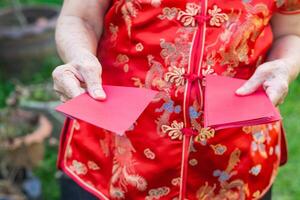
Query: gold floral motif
<point x="176" y="181"/>
<point x="149" y="154"/>
<point x="137" y="82"/>
<point x="187" y="17"/>
<point x="175" y="75"/>
<point x="193" y="162"/>
<point x="219" y="149"/>
<point x="123" y="170"/>
<point x="169" y="13"/>
<point x="129" y="10"/>
<point x="255" y="170"/>
<point x="174" y="131"/>
<point x="78" y="167"/>
<point x="217" y="17"/>
<point x="123" y="60"/>
<point x="139" y="47"/>
<point x="92" y="165"/>
<point x="157" y="193"/>
<point x="256" y="194"/>
<point x="114" y="32"/>
<point x="205" y="134"/>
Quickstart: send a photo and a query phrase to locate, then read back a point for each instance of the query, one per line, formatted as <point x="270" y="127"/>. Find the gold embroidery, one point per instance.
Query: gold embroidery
<point x="255" y="170"/>
<point x="174" y="131"/>
<point x="256" y="194"/>
<point x="139" y="47"/>
<point x="204" y="134"/>
<point x="123" y="171"/>
<point x="175" y="75"/>
<point x="92" y="165"/>
<point x="123" y="60"/>
<point x="219" y="149"/>
<point x="206" y="192"/>
<point x="217" y="17"/>
<point x="149" y="154"/>
<point x="137" y="82"/>
<point x="193" y="162"/>
<point x="114" y="32"/>
<point x="78" y="167"/>
<point x="157" y="193"/>
<point x="169" y="13"/>
<point x="187" y="17"/>
<point x="176" y="181"/>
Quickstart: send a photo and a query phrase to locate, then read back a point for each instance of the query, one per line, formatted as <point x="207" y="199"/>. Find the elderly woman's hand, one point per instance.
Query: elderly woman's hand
<point x="274" y="76"/>
<point x="80" y="75"/>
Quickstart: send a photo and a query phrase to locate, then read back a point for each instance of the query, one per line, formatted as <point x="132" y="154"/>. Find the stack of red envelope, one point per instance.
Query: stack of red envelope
<point x="224" y="109"/>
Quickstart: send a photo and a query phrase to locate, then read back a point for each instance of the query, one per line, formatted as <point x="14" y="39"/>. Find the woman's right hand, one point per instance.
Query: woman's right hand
<point x="78" y="76"/>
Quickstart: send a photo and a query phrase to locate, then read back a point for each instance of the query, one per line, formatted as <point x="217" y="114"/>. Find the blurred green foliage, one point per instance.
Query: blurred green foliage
<point x="30" y="2"/>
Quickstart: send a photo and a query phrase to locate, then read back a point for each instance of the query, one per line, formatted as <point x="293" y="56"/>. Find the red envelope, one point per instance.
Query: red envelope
<point x="117" y="113"/>
<point x="224" y="109"/>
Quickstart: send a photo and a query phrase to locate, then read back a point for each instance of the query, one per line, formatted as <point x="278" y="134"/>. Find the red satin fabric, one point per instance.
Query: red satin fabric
<point x="170" y="46"/>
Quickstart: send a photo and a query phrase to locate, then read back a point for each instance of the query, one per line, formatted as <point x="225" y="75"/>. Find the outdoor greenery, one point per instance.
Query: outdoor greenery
<point x="287" y="183"/>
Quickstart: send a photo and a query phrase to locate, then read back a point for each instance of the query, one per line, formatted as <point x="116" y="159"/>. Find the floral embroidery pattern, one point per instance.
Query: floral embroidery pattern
<point x="176" y="181"/>
<point x="149" y="154"/>
<point x="114" y="32"/>
<point x="139" y="47"/>
<point x="92" y="165"/>
<point x="168" y="13"/>
<point x="78" y="167"/>
<point x="123" y="60"/>
<point x="205" y="134"/>
<point x="193" y="162"/>
<point x="255" y="170"/>
<point x="187" y="17"/>
<point x="175" y="76"/>
<point x="217" y="17"/>
<point x="174" y="131"/>
<point x="129" y="10"/>
<point x="235" y="189"/>
<point x="123" y="172"/>
<point x="219" y="149"/>
<point x="157" y="193"/>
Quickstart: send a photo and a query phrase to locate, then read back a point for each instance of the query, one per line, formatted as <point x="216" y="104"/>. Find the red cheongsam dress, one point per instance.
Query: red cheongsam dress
<point x="170" y="46"/>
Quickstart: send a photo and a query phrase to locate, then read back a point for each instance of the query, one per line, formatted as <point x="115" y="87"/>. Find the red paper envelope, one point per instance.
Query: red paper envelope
<point x="224" y="109"/>
<point x="117" y="113"/>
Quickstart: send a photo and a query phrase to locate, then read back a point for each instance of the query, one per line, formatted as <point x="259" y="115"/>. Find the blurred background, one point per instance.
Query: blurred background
<point x="29" y="128"/>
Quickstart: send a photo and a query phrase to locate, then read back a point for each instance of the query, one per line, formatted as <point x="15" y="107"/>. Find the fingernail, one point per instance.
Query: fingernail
<point x="239" y="91"/>
<point x="99" y="94"/>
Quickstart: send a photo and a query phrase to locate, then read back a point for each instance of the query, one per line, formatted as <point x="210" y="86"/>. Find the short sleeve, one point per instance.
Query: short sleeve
<point x="288" y="6"/>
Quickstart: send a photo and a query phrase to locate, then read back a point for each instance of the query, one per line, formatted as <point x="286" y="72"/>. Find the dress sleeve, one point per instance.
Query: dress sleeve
<point x="288" y="7"/>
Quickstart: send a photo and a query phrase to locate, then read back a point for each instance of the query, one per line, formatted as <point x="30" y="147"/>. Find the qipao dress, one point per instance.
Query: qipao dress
<point x="170" y="46"/>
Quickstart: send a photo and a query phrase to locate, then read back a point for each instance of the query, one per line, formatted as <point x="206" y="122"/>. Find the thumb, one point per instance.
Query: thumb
<point x="94" y="85"/>
<point x="252" y="84"/>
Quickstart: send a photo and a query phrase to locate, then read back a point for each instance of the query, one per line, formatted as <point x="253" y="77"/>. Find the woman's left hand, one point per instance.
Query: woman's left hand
<point x="274" y="76"/>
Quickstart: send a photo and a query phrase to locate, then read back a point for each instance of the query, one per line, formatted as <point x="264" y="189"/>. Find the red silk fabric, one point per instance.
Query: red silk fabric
<point x="170" y="46"/>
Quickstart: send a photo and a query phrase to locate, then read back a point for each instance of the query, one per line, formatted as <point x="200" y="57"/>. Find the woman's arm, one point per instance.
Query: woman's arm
<point x="78" y="30"/>
<point x="283" y="64"/>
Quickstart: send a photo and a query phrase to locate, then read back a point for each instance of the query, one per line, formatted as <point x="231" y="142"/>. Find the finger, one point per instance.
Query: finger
<point x="93" y="82"/>
<point x="66" y="82"/>
<point x="63" y="98"/>
<point x="252" y="84"/>
<point x="273" y="95"/>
